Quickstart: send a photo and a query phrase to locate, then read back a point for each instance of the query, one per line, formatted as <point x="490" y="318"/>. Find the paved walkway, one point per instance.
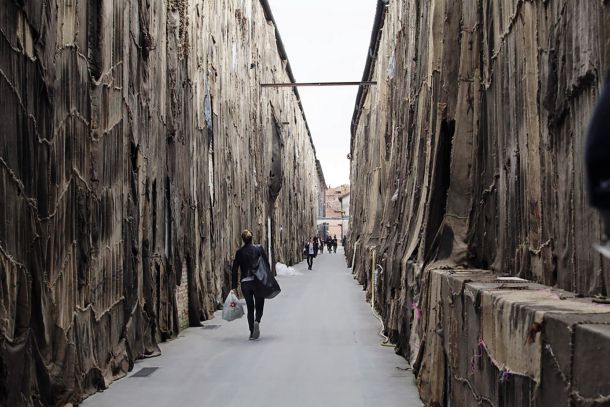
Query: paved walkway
<point x="319" y="347"/>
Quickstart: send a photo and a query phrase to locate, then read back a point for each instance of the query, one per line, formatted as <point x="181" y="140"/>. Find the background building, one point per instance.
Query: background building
<point x="345" y="201"/>
<point x="322" y="227"/>
<point x="332" y="223"/>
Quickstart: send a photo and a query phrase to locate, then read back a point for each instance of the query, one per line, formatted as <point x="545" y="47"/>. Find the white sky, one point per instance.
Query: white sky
<point x="327" y="40"/>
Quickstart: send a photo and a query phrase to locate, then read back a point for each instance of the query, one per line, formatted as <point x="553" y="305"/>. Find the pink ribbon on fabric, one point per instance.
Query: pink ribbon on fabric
<point x="417" y="310"/>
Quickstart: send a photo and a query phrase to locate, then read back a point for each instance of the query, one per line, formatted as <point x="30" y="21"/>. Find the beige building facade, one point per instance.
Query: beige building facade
<point x="333" y="222"/>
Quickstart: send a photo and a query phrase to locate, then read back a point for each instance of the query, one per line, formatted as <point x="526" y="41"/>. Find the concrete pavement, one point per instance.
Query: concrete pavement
<point x="319" y="347"/>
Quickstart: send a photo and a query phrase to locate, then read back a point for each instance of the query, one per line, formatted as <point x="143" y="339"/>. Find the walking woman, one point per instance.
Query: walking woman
<point x="311" y="249"/>
<point x="246" y="259"/>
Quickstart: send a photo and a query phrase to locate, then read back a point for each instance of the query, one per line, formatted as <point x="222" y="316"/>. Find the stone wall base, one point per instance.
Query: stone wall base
<point x="484" y="340"/>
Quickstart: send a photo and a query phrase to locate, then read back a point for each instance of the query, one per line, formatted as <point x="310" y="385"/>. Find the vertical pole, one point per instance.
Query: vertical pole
<point x="269" y="240"/>
<point x="354" y="255"/>
<point x="373" y="282"/>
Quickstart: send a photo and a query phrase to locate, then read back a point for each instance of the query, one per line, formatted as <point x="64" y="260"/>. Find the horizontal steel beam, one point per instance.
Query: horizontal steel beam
<point x="296" y="84"/>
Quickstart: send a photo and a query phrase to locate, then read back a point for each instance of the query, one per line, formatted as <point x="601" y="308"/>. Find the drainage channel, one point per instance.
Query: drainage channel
<point x="210" y="326"/>
<point x="144" y="372"/>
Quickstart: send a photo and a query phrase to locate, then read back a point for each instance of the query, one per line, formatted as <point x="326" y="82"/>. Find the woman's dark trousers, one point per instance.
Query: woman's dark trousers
<point x="310" y="260"/>
<point x="253" y="300"/>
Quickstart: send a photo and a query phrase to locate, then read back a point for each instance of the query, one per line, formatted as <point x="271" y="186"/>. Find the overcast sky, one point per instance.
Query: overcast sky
<point x="327" y="41"/>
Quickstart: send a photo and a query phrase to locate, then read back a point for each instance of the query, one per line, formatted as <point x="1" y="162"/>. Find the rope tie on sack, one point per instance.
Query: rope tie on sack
<point x="505" y="375"/>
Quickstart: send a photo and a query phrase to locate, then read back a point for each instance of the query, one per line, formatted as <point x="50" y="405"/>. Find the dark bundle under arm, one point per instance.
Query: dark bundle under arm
<point x="264" y="254"/>
<point x="598" y="152"/>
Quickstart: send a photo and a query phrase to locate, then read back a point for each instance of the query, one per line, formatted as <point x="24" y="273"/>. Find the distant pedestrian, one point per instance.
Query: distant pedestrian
<point x="335" y="244"/>
<point x="321" y="245"/>
<point x="329" y="244"/>
<point x="246" y="259"/>
<point x="597" y="158"/>
<point x="310" y="250"/>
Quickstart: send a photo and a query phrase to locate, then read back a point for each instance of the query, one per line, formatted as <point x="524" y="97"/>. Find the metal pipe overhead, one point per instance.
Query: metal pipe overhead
<point x="293" y="85"/>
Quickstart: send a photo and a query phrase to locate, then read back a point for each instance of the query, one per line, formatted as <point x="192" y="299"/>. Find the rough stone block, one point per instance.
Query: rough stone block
<point x="591" y="358"/>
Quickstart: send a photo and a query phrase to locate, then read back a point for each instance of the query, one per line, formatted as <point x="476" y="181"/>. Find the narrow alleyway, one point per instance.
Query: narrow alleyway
<point x="319" y="347"/>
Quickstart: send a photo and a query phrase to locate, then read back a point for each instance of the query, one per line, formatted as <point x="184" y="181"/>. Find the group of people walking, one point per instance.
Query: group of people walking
<point x="315" y="245"/>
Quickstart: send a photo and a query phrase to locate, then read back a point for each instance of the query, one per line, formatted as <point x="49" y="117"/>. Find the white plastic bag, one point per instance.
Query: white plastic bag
<point x="232" y="308"/>
<point x="283" y="270"/>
